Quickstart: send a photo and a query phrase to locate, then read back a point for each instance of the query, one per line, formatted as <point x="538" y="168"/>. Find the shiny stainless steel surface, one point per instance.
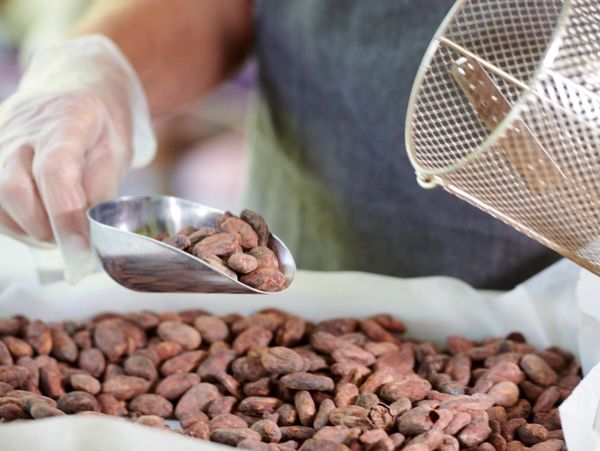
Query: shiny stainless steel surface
<point x="121" y="232"/>
<point x="505" y="114"/>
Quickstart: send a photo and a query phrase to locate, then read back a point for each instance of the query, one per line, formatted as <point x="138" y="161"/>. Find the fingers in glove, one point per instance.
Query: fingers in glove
<point x="9" y="227"/>
<point x="58" y="174"/>
<point x="102" y="173"/>
<point x="20" y="198"/>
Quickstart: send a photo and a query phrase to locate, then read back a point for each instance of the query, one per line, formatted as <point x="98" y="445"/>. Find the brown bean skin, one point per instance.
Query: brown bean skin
<point x="181" y="333"/>
<point x="151" y="404"/>
<point x="274" y="381"/>
<point x="211" y="328"/>
<point x="258" y="223"/>
<point x="538" y="370"/>
<point x="125" y="387"/>
<point x="265" y="257"/>
<point x="175" y="385"/>
<point x="245" y="234"/>
<point x="84" y="382"/>
<point x="77" y="401"/>
<point x="242" y="263"/>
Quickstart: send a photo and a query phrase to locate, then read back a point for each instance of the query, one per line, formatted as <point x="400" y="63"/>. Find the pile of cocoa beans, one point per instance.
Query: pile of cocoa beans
<point x="238" y="246"/>
<point x="273" y="381"/>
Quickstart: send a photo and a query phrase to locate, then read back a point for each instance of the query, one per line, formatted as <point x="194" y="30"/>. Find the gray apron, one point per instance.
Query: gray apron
<point x="328" y="168"/>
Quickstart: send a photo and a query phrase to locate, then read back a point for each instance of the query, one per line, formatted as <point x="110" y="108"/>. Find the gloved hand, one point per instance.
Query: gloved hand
<point x="77" y="121"/>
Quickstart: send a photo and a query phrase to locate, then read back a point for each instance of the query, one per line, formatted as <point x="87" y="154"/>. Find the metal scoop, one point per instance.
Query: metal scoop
<point x="121" y="232"/>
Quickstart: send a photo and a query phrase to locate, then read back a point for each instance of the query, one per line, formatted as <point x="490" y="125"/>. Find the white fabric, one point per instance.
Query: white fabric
<point x="548" y="308"/>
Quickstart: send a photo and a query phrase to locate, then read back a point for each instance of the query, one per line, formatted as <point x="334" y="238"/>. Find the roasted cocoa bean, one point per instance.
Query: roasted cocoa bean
<point x="232" y="437"/>
<point x="146" y="320"/>
<point x="141" y="366"/>
<point x="242" y="231"/>
<point x="248" y="369"/>
<point x="242" y="263"/>
<point x="86" y="383"/>
<point x="281" y="360"/>
<point x="217" y="244"/>
<point x="268" y="430"/>
<point x="50" y="382"/>
<point x="14" y="375"/>
<point x="175" y="385"/>
<point x="110" y="405"/>
<point x="261" y="387"/>
<point x="178" y="241"/>
<point x="12" y="412"/>
<point x="197" y="398"/>
<point x="10" y="326"/>
<point x="258" y="224"/>
<point x="350" y="416"/>
<point x="182" y="363"/>
<point x="549" y="445"/>
<point x="538" y="371"/>
<point x="92" y="360"/>
<point x="265" y="279"/>
<point x="16" y="347"/>
<point x="125" y="387"/>
<point x="5" y="354"/>
<point x="221" y="406"/>
<point x="305" y="406"/>
<point x="530" y="434"/>
<point x="307" y="381"/>
<point x="347" y="384"/>
<point x="412" y="387"/>
<point x="197" y="235"/>
<point x="181" y="333"/>
<point x="474" y="433"/>
<point x="265" y="257"/>
<point x="547" y="399"/>
<point x="151" y="404"/>
<point x="166" y="350"/>
<point x="226" y="421"/>
<point x="42" y="410"/>
<point x="298" y="433"/>
<point x="521" y="409"/>
<point x="258" y="405"/>
<point x="152" y="421"/>
<point x="254" y="336"/>
<point x="505" y="393"/>
<point x="322" y="417"/>
<point x="63" y="346"/>
<point x="110" y="338"/>
<point x="346" y="394"/>
<point x="211" y="328"/>
<point x="291" y="332"/>
<point x="510" y="428"/>
<point x="415" y="421"/>
<point x="77" y="401"/>
<point x="198" y="429"/>
<point x="113" y="370"/>
<point x="38" y="335"/>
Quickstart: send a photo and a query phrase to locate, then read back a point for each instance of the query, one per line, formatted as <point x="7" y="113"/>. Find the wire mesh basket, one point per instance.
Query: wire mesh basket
<point x="505" y="114"/>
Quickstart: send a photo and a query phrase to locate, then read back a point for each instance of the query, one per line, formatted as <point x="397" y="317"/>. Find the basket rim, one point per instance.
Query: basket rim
<point x="425" y="175"/>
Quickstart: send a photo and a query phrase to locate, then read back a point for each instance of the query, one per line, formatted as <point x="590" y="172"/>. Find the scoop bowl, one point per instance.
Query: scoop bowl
<point x="121" y="235"/>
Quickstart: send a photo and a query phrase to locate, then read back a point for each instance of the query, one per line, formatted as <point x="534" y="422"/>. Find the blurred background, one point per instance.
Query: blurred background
<point x="201" y="153"/>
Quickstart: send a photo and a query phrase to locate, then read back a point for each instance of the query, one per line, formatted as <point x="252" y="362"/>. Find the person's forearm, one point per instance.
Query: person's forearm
<point x="179" y="48"/>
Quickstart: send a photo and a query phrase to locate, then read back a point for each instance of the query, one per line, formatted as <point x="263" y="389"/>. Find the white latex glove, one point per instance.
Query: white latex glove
<point x="78" y="120"/>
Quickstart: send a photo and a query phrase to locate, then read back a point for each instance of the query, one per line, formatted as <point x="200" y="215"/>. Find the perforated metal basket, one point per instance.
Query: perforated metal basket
<point x="505" y="114"/>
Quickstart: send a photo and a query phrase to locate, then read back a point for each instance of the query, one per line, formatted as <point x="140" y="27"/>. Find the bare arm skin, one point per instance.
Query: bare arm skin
<point x="180" y="49"/>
